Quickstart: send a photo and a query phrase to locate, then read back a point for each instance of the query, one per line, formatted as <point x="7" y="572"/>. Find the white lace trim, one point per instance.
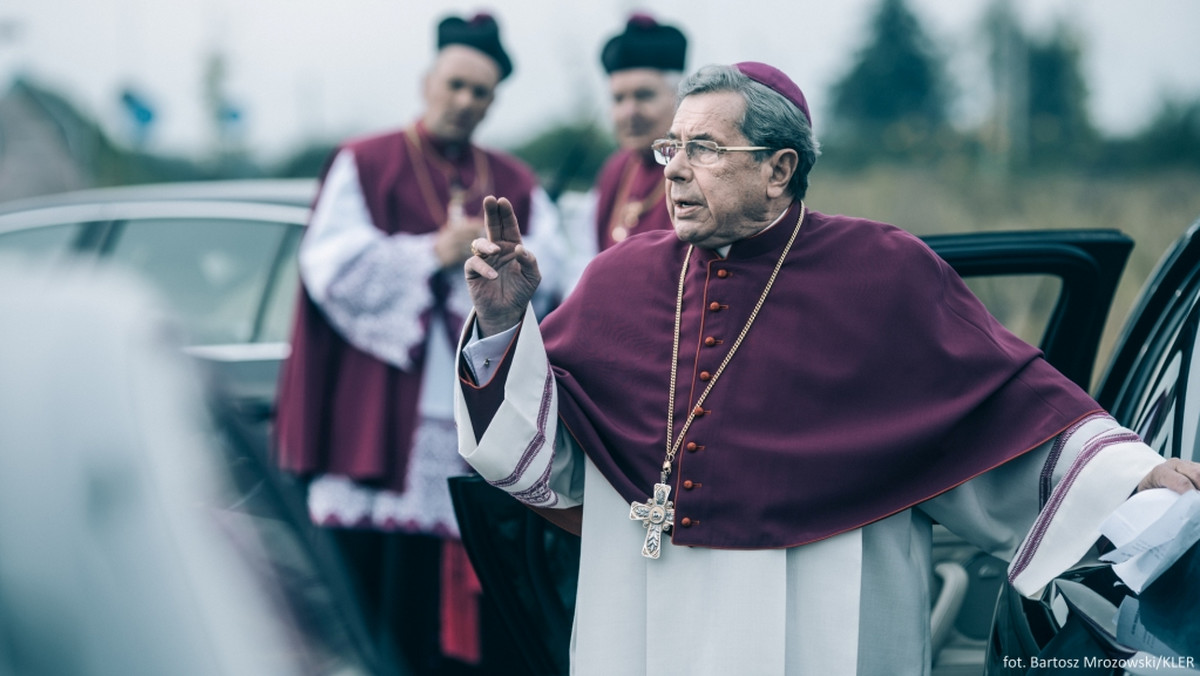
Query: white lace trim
<point x="336" y="500"/>
<point x="372" y="287"/>
<point x="377" y="299"/>
<point x="424" y="507"/>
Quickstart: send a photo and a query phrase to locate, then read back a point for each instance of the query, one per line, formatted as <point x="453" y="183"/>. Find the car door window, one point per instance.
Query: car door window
<point x="213" y="273"/>
<point x="1068" y="277"/>
<point x="281" y="299"/>
<point x="1190" y="421"/>
<point x="40" y="243"/>
<point x="1022" y="303"/>
<point x="1169" y="413"/>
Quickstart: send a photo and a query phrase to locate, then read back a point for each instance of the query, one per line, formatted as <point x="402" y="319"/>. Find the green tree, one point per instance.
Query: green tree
<point x="567" y="156"/>
<point x="1059" y="127"/>
<point x="895" y="98"/>
<point x="1039" y="114"/>
<point x="1006" y="137"/>
<point x="1173" y="137"/>
<point x="1171" y="141"/>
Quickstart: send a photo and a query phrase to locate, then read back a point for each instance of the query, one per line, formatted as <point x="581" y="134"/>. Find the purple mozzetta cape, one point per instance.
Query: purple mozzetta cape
<point x="341" y="410"/>
<point x="871" y="380"/>
<point x="647" y="179"/>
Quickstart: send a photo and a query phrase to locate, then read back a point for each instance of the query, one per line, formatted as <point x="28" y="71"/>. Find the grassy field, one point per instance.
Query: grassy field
<point x="1153" y="209"/>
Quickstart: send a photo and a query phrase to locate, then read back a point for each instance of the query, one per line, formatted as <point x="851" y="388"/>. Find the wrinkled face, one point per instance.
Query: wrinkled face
<point x="717" y="204"/>
<point x="458" y="90"/>
<point x="643" y="103"/>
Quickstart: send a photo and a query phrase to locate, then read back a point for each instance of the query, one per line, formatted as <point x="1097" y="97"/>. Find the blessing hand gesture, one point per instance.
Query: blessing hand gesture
<point x="501" y="275"/>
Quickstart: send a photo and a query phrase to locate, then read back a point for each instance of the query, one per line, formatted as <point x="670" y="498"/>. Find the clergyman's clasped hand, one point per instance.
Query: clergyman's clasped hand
<point x="503" y="274"/>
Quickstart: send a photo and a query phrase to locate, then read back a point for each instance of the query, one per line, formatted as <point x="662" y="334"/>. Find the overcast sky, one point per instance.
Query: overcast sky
<point x="323" y="69"/>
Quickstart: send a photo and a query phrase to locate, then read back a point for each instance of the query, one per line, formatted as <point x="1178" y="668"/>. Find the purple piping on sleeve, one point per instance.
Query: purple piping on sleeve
<point x="1046" y="484"/>
<point x="1093" y="447"/>
<point x="538" y="494"/>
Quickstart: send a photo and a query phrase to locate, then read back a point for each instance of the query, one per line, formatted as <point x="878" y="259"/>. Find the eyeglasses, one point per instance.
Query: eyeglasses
<point x="698" y="152"/>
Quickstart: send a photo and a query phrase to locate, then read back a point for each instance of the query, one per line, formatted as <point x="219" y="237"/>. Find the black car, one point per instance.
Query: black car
<point x="1089" y="619"/>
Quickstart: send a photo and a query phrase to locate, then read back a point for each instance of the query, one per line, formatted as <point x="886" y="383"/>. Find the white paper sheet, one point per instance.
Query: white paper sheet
<point x="1151" y="531"/>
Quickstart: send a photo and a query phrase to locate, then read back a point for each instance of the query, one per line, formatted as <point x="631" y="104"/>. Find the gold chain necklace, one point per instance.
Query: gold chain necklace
<point x="479" y="187"/>
<point x="658" y="513"/>
<point x="626" y="211"/>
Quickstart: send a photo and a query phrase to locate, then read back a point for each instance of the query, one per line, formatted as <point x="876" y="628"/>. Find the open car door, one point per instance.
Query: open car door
<point x="1052" y="288"/>
<point x="1152" y="386"/>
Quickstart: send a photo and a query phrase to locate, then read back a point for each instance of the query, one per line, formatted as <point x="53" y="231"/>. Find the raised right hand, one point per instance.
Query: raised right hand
<point x="503" y="275"/>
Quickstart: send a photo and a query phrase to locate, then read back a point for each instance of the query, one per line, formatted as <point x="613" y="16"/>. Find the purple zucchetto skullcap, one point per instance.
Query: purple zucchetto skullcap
<point x="645" y="43"/>
<point x="481" y="32"/>
<point x="775" y="79"/>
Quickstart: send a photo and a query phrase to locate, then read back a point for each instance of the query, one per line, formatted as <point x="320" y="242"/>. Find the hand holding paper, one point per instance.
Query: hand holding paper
<point x="1151" y="531"/>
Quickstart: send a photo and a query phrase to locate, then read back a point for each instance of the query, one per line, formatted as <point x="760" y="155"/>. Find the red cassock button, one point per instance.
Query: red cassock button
<point x="688" y="484"/>
<point x="686" y="522"/>
<point x="722" y="273"/>
<point x="710" y="341"/>
<point x="714" y="306"/>
<point x="705" y="376"/>
<point x="692" y="446"/>
<point x="698" y="411"/>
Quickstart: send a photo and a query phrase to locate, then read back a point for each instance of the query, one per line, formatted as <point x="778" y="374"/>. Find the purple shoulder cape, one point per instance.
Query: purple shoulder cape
<point x="872" y="380"/>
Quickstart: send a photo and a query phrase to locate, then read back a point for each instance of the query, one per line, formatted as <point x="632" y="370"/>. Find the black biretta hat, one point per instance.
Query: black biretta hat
<point x="645" y="44"/>
<point x="481" y="32"/>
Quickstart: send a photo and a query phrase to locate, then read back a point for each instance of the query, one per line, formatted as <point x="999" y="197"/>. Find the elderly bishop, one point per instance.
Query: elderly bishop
<point x="815" y="390"/>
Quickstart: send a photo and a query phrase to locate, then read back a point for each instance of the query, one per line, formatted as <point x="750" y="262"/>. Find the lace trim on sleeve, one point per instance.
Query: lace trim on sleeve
<point x="372" y="287"/>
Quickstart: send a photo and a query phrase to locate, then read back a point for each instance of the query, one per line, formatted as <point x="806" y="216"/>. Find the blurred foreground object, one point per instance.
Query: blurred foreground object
<point x="127" y="548"/>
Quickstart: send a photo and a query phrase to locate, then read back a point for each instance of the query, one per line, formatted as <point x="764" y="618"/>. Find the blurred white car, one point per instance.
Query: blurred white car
<point x="221" y="255"/>
<point x="142" y="530"/>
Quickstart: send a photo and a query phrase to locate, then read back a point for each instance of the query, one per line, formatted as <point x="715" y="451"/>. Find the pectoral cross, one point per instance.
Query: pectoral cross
<point x="455" y="213"/>
<point x="657" y="514"/>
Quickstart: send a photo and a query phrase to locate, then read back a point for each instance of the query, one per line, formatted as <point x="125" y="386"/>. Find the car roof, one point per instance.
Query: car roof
<point x="289" y="191"/>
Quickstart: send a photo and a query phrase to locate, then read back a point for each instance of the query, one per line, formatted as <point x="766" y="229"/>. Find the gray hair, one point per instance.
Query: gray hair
<point x="770" y="120"/>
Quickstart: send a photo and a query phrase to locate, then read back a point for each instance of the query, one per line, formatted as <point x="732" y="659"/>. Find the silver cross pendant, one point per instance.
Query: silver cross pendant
<point x="657" y="514"/>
